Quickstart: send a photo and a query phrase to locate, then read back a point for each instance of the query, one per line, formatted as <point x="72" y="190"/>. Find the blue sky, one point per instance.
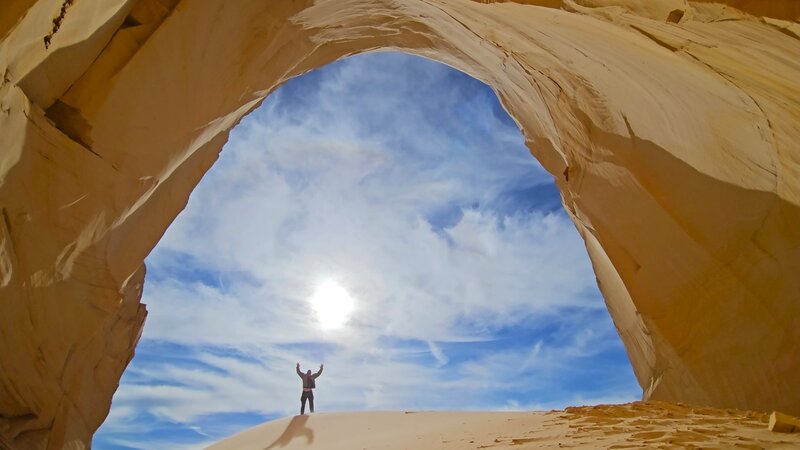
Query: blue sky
<point x="405" y="182"/>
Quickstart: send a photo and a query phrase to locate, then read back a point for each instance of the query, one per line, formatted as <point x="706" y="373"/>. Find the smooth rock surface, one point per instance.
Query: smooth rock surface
<point x="670" y="127"/>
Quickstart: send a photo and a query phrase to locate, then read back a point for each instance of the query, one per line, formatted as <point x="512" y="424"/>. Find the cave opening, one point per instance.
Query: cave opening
<point x="404" y="183"/>
<point x="669" y="130"/>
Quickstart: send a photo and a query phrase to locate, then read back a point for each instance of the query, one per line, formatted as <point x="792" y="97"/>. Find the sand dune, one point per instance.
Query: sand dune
<point x="634" y="425"/>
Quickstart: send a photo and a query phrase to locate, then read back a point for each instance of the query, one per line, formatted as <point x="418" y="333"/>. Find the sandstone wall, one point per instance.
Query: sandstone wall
<point x="671" y="128"/>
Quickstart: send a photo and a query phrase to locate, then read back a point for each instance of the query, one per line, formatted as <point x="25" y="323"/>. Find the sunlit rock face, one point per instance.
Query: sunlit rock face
<point x="670" y="128"/>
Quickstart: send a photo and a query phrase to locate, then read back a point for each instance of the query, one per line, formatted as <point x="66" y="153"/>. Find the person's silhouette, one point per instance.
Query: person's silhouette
<point x="309" y="384"/>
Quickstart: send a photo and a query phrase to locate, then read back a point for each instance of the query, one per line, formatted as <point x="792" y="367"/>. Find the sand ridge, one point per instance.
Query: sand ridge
<point x="658" y="425"/>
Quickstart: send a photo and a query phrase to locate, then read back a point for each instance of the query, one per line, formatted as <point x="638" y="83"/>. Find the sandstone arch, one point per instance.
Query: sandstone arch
<point x="670" y="127"/>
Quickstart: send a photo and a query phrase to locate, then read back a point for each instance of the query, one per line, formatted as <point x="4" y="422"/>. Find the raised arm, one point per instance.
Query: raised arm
<point x="319" y="372"/>
<point x="299" y="373"/>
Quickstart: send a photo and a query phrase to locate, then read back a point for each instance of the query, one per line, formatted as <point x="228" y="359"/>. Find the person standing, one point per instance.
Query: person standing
<point x="309" y="384"/>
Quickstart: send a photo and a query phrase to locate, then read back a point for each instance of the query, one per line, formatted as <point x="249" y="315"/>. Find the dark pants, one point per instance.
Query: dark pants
<point x="310" y="396"/>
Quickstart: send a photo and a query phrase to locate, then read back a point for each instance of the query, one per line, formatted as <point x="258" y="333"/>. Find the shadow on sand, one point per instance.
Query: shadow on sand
<point x="296" y="428"/>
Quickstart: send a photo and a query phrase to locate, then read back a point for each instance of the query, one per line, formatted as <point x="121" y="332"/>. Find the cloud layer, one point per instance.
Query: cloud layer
<point x="405" y="182"/>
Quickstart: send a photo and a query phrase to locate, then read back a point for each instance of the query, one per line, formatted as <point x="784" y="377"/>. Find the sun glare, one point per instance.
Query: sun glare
<point x="333" y="304"/>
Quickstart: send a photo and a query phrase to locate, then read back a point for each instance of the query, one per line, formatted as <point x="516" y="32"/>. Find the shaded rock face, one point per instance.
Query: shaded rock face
<point x="670" y="128"/>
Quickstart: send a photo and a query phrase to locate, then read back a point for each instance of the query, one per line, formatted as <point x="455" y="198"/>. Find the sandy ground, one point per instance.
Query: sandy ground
<point x="654" y="425"/>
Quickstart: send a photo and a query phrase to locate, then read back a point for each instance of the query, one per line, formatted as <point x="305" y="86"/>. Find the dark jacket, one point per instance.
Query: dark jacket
<point x="308" y="381"/>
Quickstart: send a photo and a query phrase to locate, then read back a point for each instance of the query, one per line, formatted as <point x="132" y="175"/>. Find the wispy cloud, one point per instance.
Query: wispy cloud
<point x="405" y="182"/>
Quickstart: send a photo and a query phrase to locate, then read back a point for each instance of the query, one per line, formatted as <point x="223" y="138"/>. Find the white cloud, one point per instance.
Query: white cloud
<point x="437" y="353"/>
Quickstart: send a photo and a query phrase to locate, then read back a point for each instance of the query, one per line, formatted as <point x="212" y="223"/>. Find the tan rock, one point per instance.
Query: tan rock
<point x="783" y="423"/>
<point x="670" y="128"/>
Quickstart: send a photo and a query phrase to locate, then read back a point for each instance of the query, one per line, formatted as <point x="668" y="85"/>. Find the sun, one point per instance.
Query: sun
<point x="333" y="304"/>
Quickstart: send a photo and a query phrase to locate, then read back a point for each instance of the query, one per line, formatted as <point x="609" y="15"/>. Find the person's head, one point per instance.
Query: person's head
<point x="308" y="372"/>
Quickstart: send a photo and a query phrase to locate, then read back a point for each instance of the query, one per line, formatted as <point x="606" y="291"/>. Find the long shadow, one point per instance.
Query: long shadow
<point x="296" y="428"/>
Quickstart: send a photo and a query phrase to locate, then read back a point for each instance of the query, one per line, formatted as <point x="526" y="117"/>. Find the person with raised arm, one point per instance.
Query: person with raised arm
<point x="309" y="384"/>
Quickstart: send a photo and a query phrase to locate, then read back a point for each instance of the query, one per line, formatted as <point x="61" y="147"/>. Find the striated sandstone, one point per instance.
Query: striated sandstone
<point x="670" y="128"/>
